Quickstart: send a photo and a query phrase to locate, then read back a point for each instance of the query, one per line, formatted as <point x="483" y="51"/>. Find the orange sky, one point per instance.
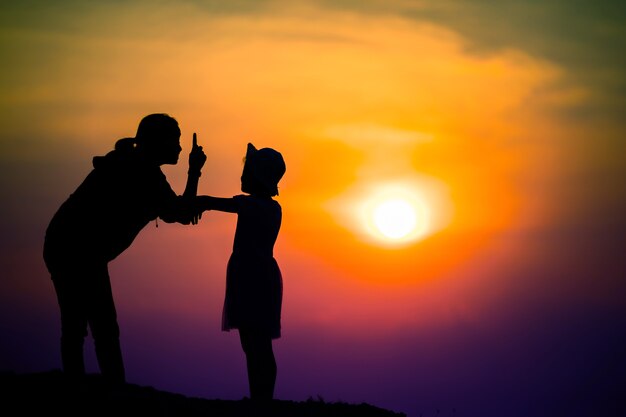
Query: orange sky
<point x="357" y="104"/>
<point x="350" y="109"/>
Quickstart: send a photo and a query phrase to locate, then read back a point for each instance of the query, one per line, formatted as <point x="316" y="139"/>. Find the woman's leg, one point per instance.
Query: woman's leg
<point x="104" y="327"/>
<point x="73" y="322"/>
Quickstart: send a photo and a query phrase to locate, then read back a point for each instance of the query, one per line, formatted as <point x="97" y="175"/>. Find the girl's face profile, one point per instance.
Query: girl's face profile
<point x="249" y="183"/>
<point x="246" y="180"/>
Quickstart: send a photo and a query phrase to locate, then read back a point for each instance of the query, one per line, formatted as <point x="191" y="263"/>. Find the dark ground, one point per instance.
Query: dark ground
<point x="49" y="393"/>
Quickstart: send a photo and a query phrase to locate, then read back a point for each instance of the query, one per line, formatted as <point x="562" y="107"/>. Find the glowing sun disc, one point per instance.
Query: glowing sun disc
<point x="395" y="218"/>
<point x="394" y="214"/>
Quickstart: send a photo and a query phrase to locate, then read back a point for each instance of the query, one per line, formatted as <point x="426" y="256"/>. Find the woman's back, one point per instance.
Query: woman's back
<point x="107" y="211"/>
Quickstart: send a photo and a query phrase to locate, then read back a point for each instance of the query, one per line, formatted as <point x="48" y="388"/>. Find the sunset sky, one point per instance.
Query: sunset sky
<point x="497" y="128"/>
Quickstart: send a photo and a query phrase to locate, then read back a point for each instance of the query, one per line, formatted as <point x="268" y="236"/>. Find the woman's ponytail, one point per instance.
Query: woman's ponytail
<point x="125" y="144"/>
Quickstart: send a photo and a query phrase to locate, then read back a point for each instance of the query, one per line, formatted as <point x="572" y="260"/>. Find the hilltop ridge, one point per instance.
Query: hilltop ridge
<point x="49" y="392"/>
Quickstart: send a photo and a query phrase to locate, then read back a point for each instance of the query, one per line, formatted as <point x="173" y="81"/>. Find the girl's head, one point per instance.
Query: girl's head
<point x="158" y="136"/>
<point x="262" y="171"/>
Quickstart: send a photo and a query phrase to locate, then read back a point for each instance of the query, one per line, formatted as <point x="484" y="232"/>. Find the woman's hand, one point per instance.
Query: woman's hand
<point x="197" y="158"/>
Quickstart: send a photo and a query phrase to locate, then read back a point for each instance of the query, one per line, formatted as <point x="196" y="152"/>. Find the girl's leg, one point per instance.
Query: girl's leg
<point x="260" y="362"/>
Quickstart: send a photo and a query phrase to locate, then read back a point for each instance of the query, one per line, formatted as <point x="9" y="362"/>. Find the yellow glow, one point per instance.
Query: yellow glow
<point x="394" y="213"/>
<point x="397" y="219"/>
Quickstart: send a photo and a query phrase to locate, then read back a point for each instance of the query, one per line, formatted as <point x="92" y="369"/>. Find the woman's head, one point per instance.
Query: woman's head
<point x="262" y="171"/>
<point x="158" y="136"/>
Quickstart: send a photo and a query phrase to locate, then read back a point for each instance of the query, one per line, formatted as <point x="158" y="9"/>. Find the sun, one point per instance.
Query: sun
<point x="395" y="213"/>
<point x="396" y="217"/>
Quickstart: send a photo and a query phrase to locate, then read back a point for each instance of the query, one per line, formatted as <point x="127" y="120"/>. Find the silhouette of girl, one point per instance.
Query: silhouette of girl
<point x="125" y="190"/>
<point x="254" y="285"/>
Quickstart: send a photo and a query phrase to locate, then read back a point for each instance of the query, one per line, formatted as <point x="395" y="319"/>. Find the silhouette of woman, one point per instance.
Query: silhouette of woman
<point x="254" y="284"/>
<point x="125" y="190"/>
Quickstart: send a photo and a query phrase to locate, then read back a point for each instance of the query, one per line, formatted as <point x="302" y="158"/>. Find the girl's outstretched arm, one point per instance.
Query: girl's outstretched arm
<point x="206" y="202"/>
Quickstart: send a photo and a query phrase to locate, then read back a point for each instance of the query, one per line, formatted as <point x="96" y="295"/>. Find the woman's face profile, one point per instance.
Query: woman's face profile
<point x="169" y="148"/>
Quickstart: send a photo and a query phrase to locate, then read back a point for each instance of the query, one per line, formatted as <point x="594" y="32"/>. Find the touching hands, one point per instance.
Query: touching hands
<point x="197" y="215"/>
<point x="197" y="158"/>
<point x="197" y="211"/>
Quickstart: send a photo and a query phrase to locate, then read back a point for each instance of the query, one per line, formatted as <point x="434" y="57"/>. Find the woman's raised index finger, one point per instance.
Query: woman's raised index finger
<point x="195" y="141"/>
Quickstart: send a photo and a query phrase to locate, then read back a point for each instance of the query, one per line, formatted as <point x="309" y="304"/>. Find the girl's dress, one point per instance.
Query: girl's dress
<point x="254" y="286"/>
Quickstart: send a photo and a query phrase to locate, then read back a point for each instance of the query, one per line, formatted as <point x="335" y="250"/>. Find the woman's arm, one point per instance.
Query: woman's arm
<point x="197" y="158"/>
<point x="191" y="189"/>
